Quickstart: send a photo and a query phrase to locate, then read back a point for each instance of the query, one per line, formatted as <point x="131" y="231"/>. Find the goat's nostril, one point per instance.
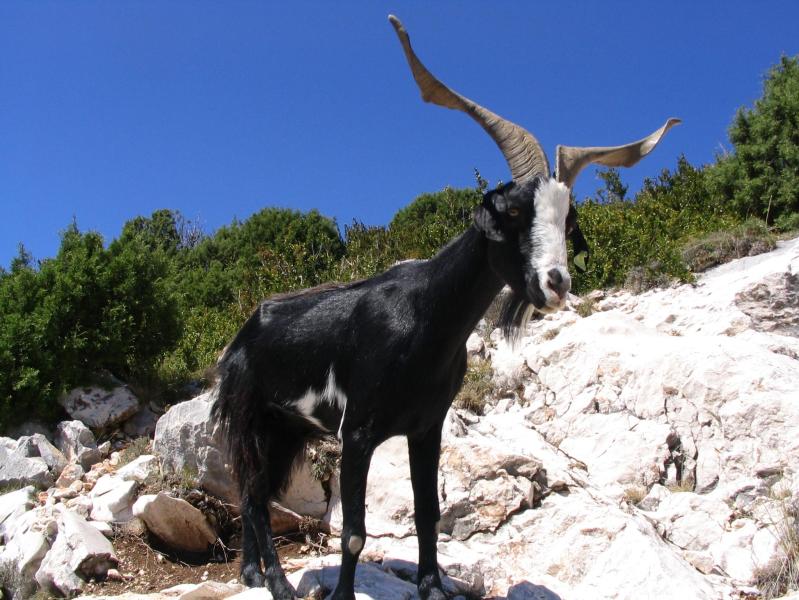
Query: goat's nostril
<point x="557" y="283"/>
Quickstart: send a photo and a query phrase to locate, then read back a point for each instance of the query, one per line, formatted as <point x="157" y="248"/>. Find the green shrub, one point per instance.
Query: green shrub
<point x="85" y="311"/>
<point x="787" y="222"/>
<point x="761" y="177"/>
<point x="429" y="222"/>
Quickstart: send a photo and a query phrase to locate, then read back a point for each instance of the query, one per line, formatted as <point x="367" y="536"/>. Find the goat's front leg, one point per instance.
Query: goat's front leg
<point x="423" y="452"/>
<point x="356" y="454"/>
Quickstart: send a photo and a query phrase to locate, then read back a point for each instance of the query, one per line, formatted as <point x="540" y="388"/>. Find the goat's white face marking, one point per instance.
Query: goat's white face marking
<point x="355" y="544"/>
<point x="548" y="239"/>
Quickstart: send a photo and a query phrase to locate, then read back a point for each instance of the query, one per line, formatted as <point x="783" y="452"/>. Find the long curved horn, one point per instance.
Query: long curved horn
<point x="570" y="160"/>
<point x="521" y="150"/>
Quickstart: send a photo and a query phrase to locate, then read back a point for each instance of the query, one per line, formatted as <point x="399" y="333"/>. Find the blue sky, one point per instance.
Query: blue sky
<point x="109" y="110"/>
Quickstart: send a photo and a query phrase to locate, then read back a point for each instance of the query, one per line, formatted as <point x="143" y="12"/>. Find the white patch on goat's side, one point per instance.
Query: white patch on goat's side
<point x="305" y="406"/>
<point x="332" y="394"/>
<point x="548" y="235"/>
<point x="355" y="544"/>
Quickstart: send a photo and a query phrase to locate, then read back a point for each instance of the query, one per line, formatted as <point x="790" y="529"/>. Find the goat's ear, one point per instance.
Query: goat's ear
<point x="487" y="224"/>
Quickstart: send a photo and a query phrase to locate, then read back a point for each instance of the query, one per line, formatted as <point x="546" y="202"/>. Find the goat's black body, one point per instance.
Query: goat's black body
<point x="396" y="346"/>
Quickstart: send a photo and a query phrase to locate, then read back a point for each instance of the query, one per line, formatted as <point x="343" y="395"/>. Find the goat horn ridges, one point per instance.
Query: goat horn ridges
<point x="570" y="160"/>
<point x="521" y="150"/>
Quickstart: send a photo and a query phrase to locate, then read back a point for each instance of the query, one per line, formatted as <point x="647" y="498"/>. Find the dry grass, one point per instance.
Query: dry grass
<point x="634" y="494"/>
<point x="551" y="334"/>
<point x="748" y="239"/>
<point x="135" y="449"/>
<point x="478" y="385"/>
<point x="586" y="307"/>
<point x="324" y="456"/>
<point x="781" y="574"/>
<point x="681" y="486"/>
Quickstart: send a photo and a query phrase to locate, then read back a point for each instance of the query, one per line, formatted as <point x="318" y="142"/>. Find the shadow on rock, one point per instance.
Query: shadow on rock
<point x="530" y="591"/>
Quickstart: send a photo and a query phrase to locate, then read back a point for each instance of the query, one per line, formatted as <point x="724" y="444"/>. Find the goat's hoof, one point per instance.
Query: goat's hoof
<point x="252" y="577"/>
<point x="282" y="591"/>
<point x="430" y="588"/>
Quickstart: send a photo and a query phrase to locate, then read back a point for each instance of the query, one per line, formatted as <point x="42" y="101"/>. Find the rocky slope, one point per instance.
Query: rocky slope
<point x="647" y="449"/>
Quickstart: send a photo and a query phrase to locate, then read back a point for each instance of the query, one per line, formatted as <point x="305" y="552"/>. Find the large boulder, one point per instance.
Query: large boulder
<point x="481" y="485"/>
<point x="98" y="407"/>
<point x="189" y="445"/>
<point x="175" y="522"/>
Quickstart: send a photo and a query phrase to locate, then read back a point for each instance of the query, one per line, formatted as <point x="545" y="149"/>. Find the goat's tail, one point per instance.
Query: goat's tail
<point x="264" y="440"/>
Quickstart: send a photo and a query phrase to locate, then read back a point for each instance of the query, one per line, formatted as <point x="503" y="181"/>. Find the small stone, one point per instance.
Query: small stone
<point x="71" y="473"/>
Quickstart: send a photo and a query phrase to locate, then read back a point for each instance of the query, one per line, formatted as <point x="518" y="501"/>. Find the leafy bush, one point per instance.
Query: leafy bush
<point x="761" y="178"/>
<point x="747" y="239"/>
<point x="429" y="222"/>
<point x="275" y="250"/>
<point x="87" y="310"/>
<point x="787" y="222"/>
<point x="644" y="236"/>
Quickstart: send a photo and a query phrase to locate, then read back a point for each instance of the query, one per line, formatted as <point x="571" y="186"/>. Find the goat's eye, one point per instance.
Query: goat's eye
<point x="513" y="212"/>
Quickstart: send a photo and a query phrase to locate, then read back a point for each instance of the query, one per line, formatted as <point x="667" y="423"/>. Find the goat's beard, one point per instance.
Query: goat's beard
<point x="514" y="314"/>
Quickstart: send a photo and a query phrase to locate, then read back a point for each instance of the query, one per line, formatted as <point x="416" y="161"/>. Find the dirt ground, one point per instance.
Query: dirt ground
<point x="145" y="568"/>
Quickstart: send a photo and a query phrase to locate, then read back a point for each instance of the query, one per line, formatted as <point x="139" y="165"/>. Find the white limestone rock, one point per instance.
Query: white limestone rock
<point x="139" y="469"/>
<point x="475" y="346"/>
<point x="17" y="470"/>
<point x="112" y="499"/>
<point x="186" y="441"/>
<point x="77" y="443"/>
<point x="371" y="583"/>
<point x="305" y="495"/>
<point x="481" y="484"/>
<point x="37" y="445"/>
<point x="98" y="407"/>
<point x="79" y="553"/>
<point x="13" y="505"/>
<point x="175" y="522"/>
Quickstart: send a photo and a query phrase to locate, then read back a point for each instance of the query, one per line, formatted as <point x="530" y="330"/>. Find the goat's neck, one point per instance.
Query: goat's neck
<point x="462" y="286"/>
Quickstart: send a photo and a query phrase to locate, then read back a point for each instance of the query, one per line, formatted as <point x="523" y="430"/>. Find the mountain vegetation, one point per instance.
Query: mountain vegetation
<point x="156" y="305"/>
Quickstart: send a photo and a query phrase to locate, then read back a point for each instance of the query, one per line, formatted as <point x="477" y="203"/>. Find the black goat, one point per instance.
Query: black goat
<point x="385" y="356"/>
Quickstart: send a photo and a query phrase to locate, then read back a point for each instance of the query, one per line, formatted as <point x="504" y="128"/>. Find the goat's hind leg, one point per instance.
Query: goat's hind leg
<point x="423" y="452"/>
<point x="251" y="574"/>
<point x="255" y="524"/>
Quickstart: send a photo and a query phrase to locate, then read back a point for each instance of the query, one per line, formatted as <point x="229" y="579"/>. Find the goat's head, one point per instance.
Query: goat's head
<point x="528" y="220"/>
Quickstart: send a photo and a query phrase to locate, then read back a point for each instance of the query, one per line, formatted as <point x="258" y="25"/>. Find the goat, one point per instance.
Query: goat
<point x="385" y="356"/>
